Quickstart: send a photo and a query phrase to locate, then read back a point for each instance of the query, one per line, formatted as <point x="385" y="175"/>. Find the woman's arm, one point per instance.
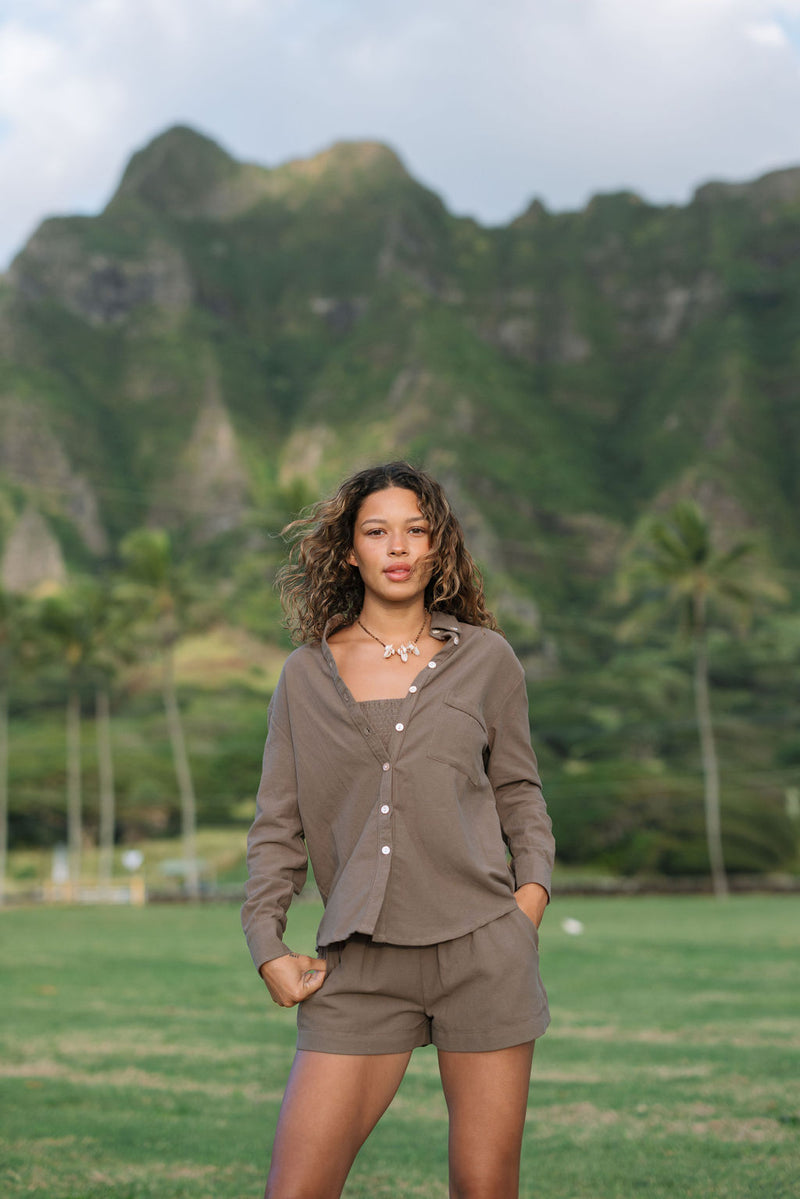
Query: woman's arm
<point x="276" y="852"/>
<point x="526" y="826"/>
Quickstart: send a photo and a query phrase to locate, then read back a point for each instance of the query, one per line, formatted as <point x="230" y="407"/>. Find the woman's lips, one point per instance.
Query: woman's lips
<point x="397" y="573"/>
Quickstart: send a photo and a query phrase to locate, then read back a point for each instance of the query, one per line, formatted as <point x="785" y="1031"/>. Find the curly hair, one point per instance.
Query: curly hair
<point x="317" y="583"/>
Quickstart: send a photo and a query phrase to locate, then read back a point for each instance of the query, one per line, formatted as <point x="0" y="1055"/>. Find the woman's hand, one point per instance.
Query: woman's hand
<point x="292" y="978"/>
<point x="532" y="899"/>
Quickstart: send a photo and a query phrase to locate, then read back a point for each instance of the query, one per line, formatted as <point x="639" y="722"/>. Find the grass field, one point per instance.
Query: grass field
<point x="142" y="1059"/>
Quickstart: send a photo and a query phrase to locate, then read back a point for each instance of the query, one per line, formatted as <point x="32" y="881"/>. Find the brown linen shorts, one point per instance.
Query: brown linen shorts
<point x="474" y="994"/>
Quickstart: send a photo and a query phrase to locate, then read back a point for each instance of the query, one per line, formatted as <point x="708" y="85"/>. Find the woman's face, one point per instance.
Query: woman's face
<point x="391" y="543"/>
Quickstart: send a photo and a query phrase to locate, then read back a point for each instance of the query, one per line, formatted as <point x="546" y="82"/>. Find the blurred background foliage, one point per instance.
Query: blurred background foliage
<point x="183" y="373"/>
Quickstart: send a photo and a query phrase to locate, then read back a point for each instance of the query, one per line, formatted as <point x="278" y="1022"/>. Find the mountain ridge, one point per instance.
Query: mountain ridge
<point x="570" y="365"/>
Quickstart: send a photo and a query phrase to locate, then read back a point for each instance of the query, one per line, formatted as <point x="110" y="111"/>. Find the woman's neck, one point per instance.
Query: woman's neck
<point x="394" y="621"/>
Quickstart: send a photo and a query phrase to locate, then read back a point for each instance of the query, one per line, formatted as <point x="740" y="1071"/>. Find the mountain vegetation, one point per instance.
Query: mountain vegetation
<point x="224" y="341"/>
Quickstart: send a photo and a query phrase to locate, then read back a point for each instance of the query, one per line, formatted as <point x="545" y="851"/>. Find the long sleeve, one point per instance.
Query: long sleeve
<point x="514" y="776"/>
<point x="276" y="853"/>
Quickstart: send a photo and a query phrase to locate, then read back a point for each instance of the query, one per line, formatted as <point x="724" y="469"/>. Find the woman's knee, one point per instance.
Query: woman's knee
<point x="496" y="1188"/>
<point x="487" y="1175"/>
<point x="289" y="1189"/>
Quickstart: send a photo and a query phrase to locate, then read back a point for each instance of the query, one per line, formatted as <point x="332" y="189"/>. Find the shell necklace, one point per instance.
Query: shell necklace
<point x="405" y="648"/>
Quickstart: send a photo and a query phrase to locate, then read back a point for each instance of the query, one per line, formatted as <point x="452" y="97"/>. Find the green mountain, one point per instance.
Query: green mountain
<point x="222" y="330"/>
<point x="224" y="341"/>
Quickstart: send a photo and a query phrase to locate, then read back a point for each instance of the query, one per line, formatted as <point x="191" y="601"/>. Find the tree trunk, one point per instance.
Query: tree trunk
<point x="183" y="774"/>
<point x="710" y="768"/>
<point x="74" y="825"/>
<point x="105" y="769"/>
<point x="3" y="790"/>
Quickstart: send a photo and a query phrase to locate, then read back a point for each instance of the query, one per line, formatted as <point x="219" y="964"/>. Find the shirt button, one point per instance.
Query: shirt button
<point x="399" y="727"/>
<point x="412" y="689"/>
<point x="455" y="640"/>
<point x="385" y="849"/>
<point x="431" y="665"/>
<point x="384" y="808"/>
<point x="387" y="766"/>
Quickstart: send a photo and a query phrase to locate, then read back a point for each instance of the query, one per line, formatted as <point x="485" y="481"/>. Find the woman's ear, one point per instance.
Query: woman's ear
<point x="351" y="557"/>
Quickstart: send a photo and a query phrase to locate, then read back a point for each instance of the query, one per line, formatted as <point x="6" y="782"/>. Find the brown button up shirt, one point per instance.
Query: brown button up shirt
<point x="418" y="843"/>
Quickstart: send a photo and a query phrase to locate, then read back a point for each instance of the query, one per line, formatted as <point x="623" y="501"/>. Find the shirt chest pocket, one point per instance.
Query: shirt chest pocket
<point x="459" y="739"/>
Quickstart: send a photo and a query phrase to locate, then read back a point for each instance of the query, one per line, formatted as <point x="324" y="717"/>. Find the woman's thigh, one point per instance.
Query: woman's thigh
<point x="332" y="1103"/>
<point x="487" y="1098"/>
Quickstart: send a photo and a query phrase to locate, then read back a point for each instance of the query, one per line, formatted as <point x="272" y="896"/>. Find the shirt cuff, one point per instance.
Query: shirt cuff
<point x="265" y="947"/>
<point x="530" y="869"/>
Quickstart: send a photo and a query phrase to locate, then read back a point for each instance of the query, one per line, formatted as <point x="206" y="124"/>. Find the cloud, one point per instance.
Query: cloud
<point x="488" y="104"/>
<point x="768" y="33"/>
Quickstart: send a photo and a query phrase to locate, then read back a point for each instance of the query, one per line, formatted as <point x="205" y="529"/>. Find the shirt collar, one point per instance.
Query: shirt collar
<point x="333" y="624"/>
<point x="443" y="625"/>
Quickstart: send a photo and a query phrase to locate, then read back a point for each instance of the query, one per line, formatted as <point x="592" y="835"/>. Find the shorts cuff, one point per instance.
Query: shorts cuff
<point x="486" y="1040"/>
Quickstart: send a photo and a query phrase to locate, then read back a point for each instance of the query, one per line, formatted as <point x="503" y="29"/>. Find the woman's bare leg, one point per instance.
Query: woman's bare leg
<point x="332" y="1103"/>
<point x="487" y="1096"/>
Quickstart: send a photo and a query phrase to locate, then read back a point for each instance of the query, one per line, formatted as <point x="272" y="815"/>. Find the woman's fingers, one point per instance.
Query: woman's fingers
<point x="314" y="976"/>
<point x="292" y="978"/>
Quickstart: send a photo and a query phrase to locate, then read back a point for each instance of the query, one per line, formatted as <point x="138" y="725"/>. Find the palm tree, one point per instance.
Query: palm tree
<point x="86" y="626"/>
<point x="66" y="625"/>
<point x="165" y="598"/>
<point x="9" y="646"/>
<point x="106" y="794"/>
<point x="674" y="566"/>
<point x="111" y="621"/>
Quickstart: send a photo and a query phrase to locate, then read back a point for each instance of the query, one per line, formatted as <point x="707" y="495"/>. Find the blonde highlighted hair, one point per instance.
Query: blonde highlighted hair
<point x="318" y="583"/>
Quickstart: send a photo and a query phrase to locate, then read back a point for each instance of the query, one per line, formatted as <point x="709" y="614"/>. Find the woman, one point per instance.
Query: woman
<point x="399" y="760"/>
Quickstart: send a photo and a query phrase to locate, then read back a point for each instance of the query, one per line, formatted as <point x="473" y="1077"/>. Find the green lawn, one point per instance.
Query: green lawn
<point x="141" y="1057"/>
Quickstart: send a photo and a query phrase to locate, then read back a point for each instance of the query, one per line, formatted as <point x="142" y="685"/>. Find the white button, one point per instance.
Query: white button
<point x="385" y="849"/>
<point x="412" y="689"/>
<point x="387" y="766"/>
<point x="399" y="727"/>
<point x="431" y="665"/>
<point x="455" y="641"/>
<point x="384" y="808"/>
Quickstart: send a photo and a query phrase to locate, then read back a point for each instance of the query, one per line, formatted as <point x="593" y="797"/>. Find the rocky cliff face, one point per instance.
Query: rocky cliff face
<point x="207" y="491"/>
<point x="32" y="561"/>
<point x="100" y="288"/>
<point x="35" y="463"/>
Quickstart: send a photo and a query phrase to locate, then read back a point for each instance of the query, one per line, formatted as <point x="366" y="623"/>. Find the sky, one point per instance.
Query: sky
<point x="490" y="104"/>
